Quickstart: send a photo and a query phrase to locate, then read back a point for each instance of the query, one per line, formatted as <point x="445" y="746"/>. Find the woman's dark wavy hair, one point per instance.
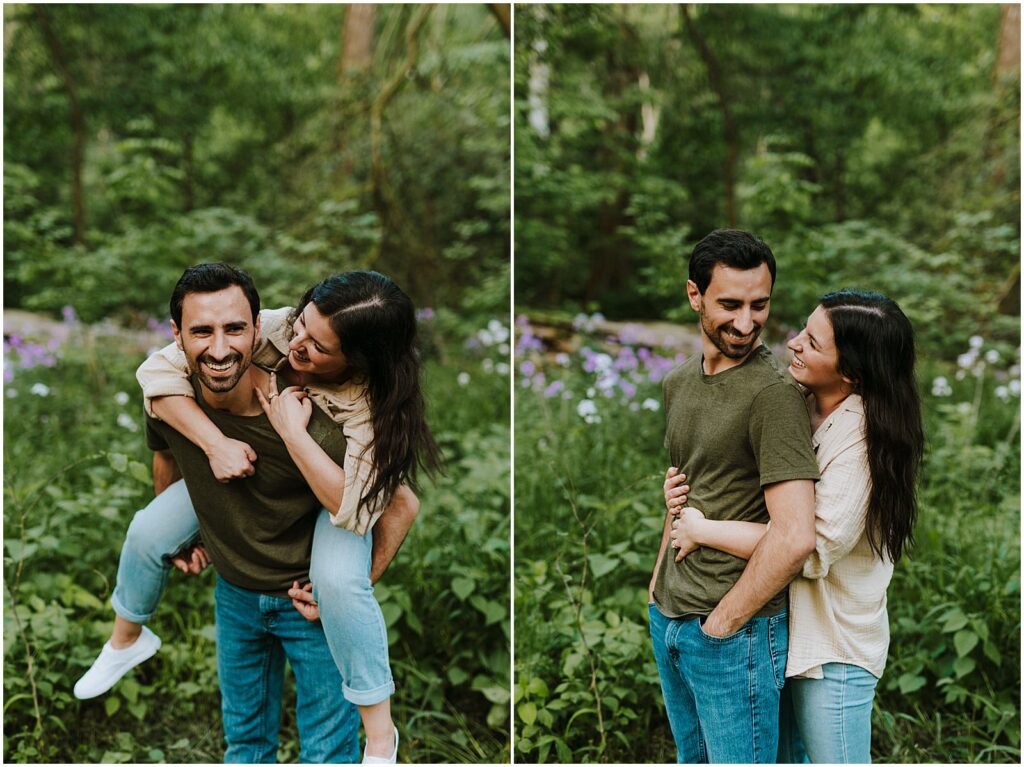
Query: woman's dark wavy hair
<point x="875" y="342"/>
<point x="376" y="326"/>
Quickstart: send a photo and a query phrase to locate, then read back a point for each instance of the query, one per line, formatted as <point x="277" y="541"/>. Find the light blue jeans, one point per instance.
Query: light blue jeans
<point x="722" y="693"/>
<point x="340" y="572"/>
<point x="255" y="634"/>
<point x="832" y="717"/>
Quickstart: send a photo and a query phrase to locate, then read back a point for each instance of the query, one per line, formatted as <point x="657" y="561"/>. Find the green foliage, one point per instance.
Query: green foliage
<point x="77" y="469"/>
<point x="586" y="681"/>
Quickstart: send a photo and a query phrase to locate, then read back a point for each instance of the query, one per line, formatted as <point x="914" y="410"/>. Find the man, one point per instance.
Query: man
<point x="736" y="424"/>
<point x="257" y="531"/>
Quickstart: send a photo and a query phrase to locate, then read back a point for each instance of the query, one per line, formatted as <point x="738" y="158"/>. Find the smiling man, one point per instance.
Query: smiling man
<point x="737" y="426"/>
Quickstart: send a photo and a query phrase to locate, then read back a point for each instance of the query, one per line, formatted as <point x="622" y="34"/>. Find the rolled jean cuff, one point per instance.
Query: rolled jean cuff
<point x="127" y="614"/>
<point x="368" y="697"/>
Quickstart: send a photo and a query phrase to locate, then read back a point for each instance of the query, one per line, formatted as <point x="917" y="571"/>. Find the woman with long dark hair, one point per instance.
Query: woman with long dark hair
<point x="349" y="346"/>
<point x="855" y="358"/>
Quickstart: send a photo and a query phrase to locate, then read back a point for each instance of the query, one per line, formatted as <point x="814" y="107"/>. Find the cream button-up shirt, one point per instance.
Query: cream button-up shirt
<point x="837" y="606"/>
<point x="166" y="373"/>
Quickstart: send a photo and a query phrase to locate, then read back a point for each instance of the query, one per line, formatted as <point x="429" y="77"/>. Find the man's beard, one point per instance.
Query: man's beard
<point x="220" y="385"/>
<point x="723" y="339"/>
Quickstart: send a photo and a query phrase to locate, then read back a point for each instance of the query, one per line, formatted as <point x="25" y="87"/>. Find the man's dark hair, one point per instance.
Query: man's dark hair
<point x="209" y="278"/>
<point x="730" y="247"/>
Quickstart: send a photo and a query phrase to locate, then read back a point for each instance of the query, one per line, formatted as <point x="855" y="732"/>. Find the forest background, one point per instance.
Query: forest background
<point x="294" y="141"/>
<point x="870" y="146"/>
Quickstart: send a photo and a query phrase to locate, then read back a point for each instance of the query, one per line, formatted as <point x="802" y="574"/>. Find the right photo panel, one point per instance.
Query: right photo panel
<point x="767" y="383"/>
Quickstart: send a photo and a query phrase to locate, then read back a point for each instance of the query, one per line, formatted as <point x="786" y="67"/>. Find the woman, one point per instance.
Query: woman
<point x="349" y="346"/>
<point x="856" y="360"/>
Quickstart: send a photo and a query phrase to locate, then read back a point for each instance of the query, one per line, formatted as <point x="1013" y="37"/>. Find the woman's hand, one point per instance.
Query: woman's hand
<point x="675" y="490"/>
<point x="302" y="600"/>
<point x="684" y="531"/>
<point x="289" y="412"/>
<point x="231" y="459"/>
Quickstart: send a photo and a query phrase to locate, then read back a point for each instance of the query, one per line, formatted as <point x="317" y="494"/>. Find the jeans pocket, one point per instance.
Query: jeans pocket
<point x="741" y="631"/>
<point x="778" y="646"/>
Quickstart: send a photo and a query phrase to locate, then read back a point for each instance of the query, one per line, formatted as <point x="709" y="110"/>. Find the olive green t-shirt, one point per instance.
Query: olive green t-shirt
<point x="258" y="530"/>
<point x="732" y="434"/>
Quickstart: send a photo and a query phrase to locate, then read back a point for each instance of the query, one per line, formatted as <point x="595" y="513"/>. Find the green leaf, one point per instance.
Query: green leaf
<point x="910" y="683"/>
<point x="457" y="675"/>
<point x="20" y="551"/>
<point x="527" y="712"/>
<point x="392" y="612"/>
<point x="138" y="709"/>
<point x="602" y="565"/>
<point x="964" y="641"/>
<point x="954" y="620"/>
<point x="963" y="666"/>
<point x="140" y="472"/>
<point x="111" y="705"/>
<point x="992" y="653"/>
<point x="537" y="687"/>
<point x="463" y="587"/>
<point x="564" y="752"/>
<point x="119" y="461"/>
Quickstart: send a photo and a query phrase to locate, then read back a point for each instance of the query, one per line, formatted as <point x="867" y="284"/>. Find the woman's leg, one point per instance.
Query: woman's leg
<point x="156" y="532"/>
<point x="354" y="626"/>
<point x="834" y="714"/>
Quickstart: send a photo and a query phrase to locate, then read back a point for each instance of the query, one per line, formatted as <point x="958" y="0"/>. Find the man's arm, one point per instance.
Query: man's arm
<point x="665" y="533"/>
<point x="165" y="471"/>
<point x="776" y="560"/>
<point x="391" y="529"/>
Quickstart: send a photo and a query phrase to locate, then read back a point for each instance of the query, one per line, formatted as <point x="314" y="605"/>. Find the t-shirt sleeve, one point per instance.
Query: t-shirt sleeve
<point x="780" y="434"/>
<point x="154" y="439"/>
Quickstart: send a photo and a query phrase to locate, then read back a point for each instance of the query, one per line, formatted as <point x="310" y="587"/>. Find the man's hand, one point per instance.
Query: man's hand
<point x="684" y="531"/>
<point x="713" y="627"/>
<point x="192" y="560"/>
<point x="675" y="490"/>
<point x="302" y="600"/>
<point x="231" y="459"/>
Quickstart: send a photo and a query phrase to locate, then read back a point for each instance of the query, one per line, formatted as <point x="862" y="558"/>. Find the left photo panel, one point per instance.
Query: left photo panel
<point x="257" y="383"/>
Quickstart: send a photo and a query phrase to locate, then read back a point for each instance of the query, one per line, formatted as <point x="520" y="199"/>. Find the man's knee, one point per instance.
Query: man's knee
<point x="405" y="505"/>
<point x="147" y="539"/>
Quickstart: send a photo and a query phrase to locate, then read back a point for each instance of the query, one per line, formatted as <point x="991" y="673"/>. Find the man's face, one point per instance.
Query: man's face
<point x="217" y="335"/>
<point x="734" y="308"/>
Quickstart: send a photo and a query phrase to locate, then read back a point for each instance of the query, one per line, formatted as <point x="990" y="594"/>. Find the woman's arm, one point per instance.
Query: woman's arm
<point x="289" y="413"/>
<point x="691" y="530"/>
<point x="168" y="396"/>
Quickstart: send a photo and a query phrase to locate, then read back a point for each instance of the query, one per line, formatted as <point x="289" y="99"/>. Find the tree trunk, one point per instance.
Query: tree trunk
<point x="1008" y="47"/>
<point x="503" y="13"/>
<point x="730" y="133"/>
<point x="356" y="40"/>
<point x="42" y="15"/>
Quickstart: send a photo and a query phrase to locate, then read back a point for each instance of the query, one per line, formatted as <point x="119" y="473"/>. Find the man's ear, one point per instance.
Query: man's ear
<point x="177" y="335"/>
<point x="256" y="335"/>
<point x="693" y="293"/>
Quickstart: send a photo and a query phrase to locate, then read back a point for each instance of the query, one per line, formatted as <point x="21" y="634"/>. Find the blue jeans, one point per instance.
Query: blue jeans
<point x="255" y="634"/>
<point x="340" y="572"/>
<point x="722" y="694"/>
<point x="832" y="715"/>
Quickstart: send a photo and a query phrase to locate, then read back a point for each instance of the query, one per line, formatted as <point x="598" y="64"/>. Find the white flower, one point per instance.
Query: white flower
<point x="40" y="389"/>
<point x="976" y="342"/>
<point x="562" y="359"/>
<point x="651" y="404"/>
<point x="501" y="368"/>
<point x="591" y="391"/>
<point x="1014" y="370"/>
<point x="602" y="361"/>
<point x="462" y="378"/>
<point x="1003" y="393"/>
<point x="503" y="349"/>
<point x="941" y="387"/>
<point x="486" y="337"/>
<point x="963" y="408"/>
<point x="488" y="365"/>
<point x="992" y="356"/>
<point x="960" y="375"/>
<point x="125" y="422"/>
<point x="12" y="393"/>
<point x="967" y="359"/>
<point x="634" y="406"/>
<point x="498" y="331"/>
<point x="121" y="398"/>
<point x="1014" y="387"/>
<point x="587" y="410"/>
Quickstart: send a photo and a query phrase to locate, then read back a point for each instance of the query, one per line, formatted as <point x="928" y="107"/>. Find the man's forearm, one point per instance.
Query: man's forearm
<point x="165" y="471"/>
<point x="391" y="529"/>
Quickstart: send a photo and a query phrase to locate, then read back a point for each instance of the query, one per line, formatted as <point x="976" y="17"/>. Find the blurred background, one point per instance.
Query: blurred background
<point x="294" y="141"/>
<point x="871" y="146"/>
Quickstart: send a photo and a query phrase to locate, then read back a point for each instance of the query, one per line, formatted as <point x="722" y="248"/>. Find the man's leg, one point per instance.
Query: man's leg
<point x="328" y="724"/>
<point x="250" y="666"/>
<point x="736" y="681"/>
<point x="679" y="703"/>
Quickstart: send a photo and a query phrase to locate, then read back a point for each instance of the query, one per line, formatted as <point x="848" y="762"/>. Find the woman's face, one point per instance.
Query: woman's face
<point x="315" y="347"/>
<point x="815" y="359"/>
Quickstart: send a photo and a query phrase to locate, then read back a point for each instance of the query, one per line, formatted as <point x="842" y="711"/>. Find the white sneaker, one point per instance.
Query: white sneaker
<point x="113" y="664"/>
<point x="393" y="759"/>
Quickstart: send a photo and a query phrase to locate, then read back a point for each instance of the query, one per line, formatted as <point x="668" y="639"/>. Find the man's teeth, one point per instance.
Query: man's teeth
<point x="221" y="366"/>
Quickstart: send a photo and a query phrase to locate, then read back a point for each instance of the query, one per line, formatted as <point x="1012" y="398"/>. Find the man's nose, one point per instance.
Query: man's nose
<point x="219" y="346"/>
<point x="744" y="323"/>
